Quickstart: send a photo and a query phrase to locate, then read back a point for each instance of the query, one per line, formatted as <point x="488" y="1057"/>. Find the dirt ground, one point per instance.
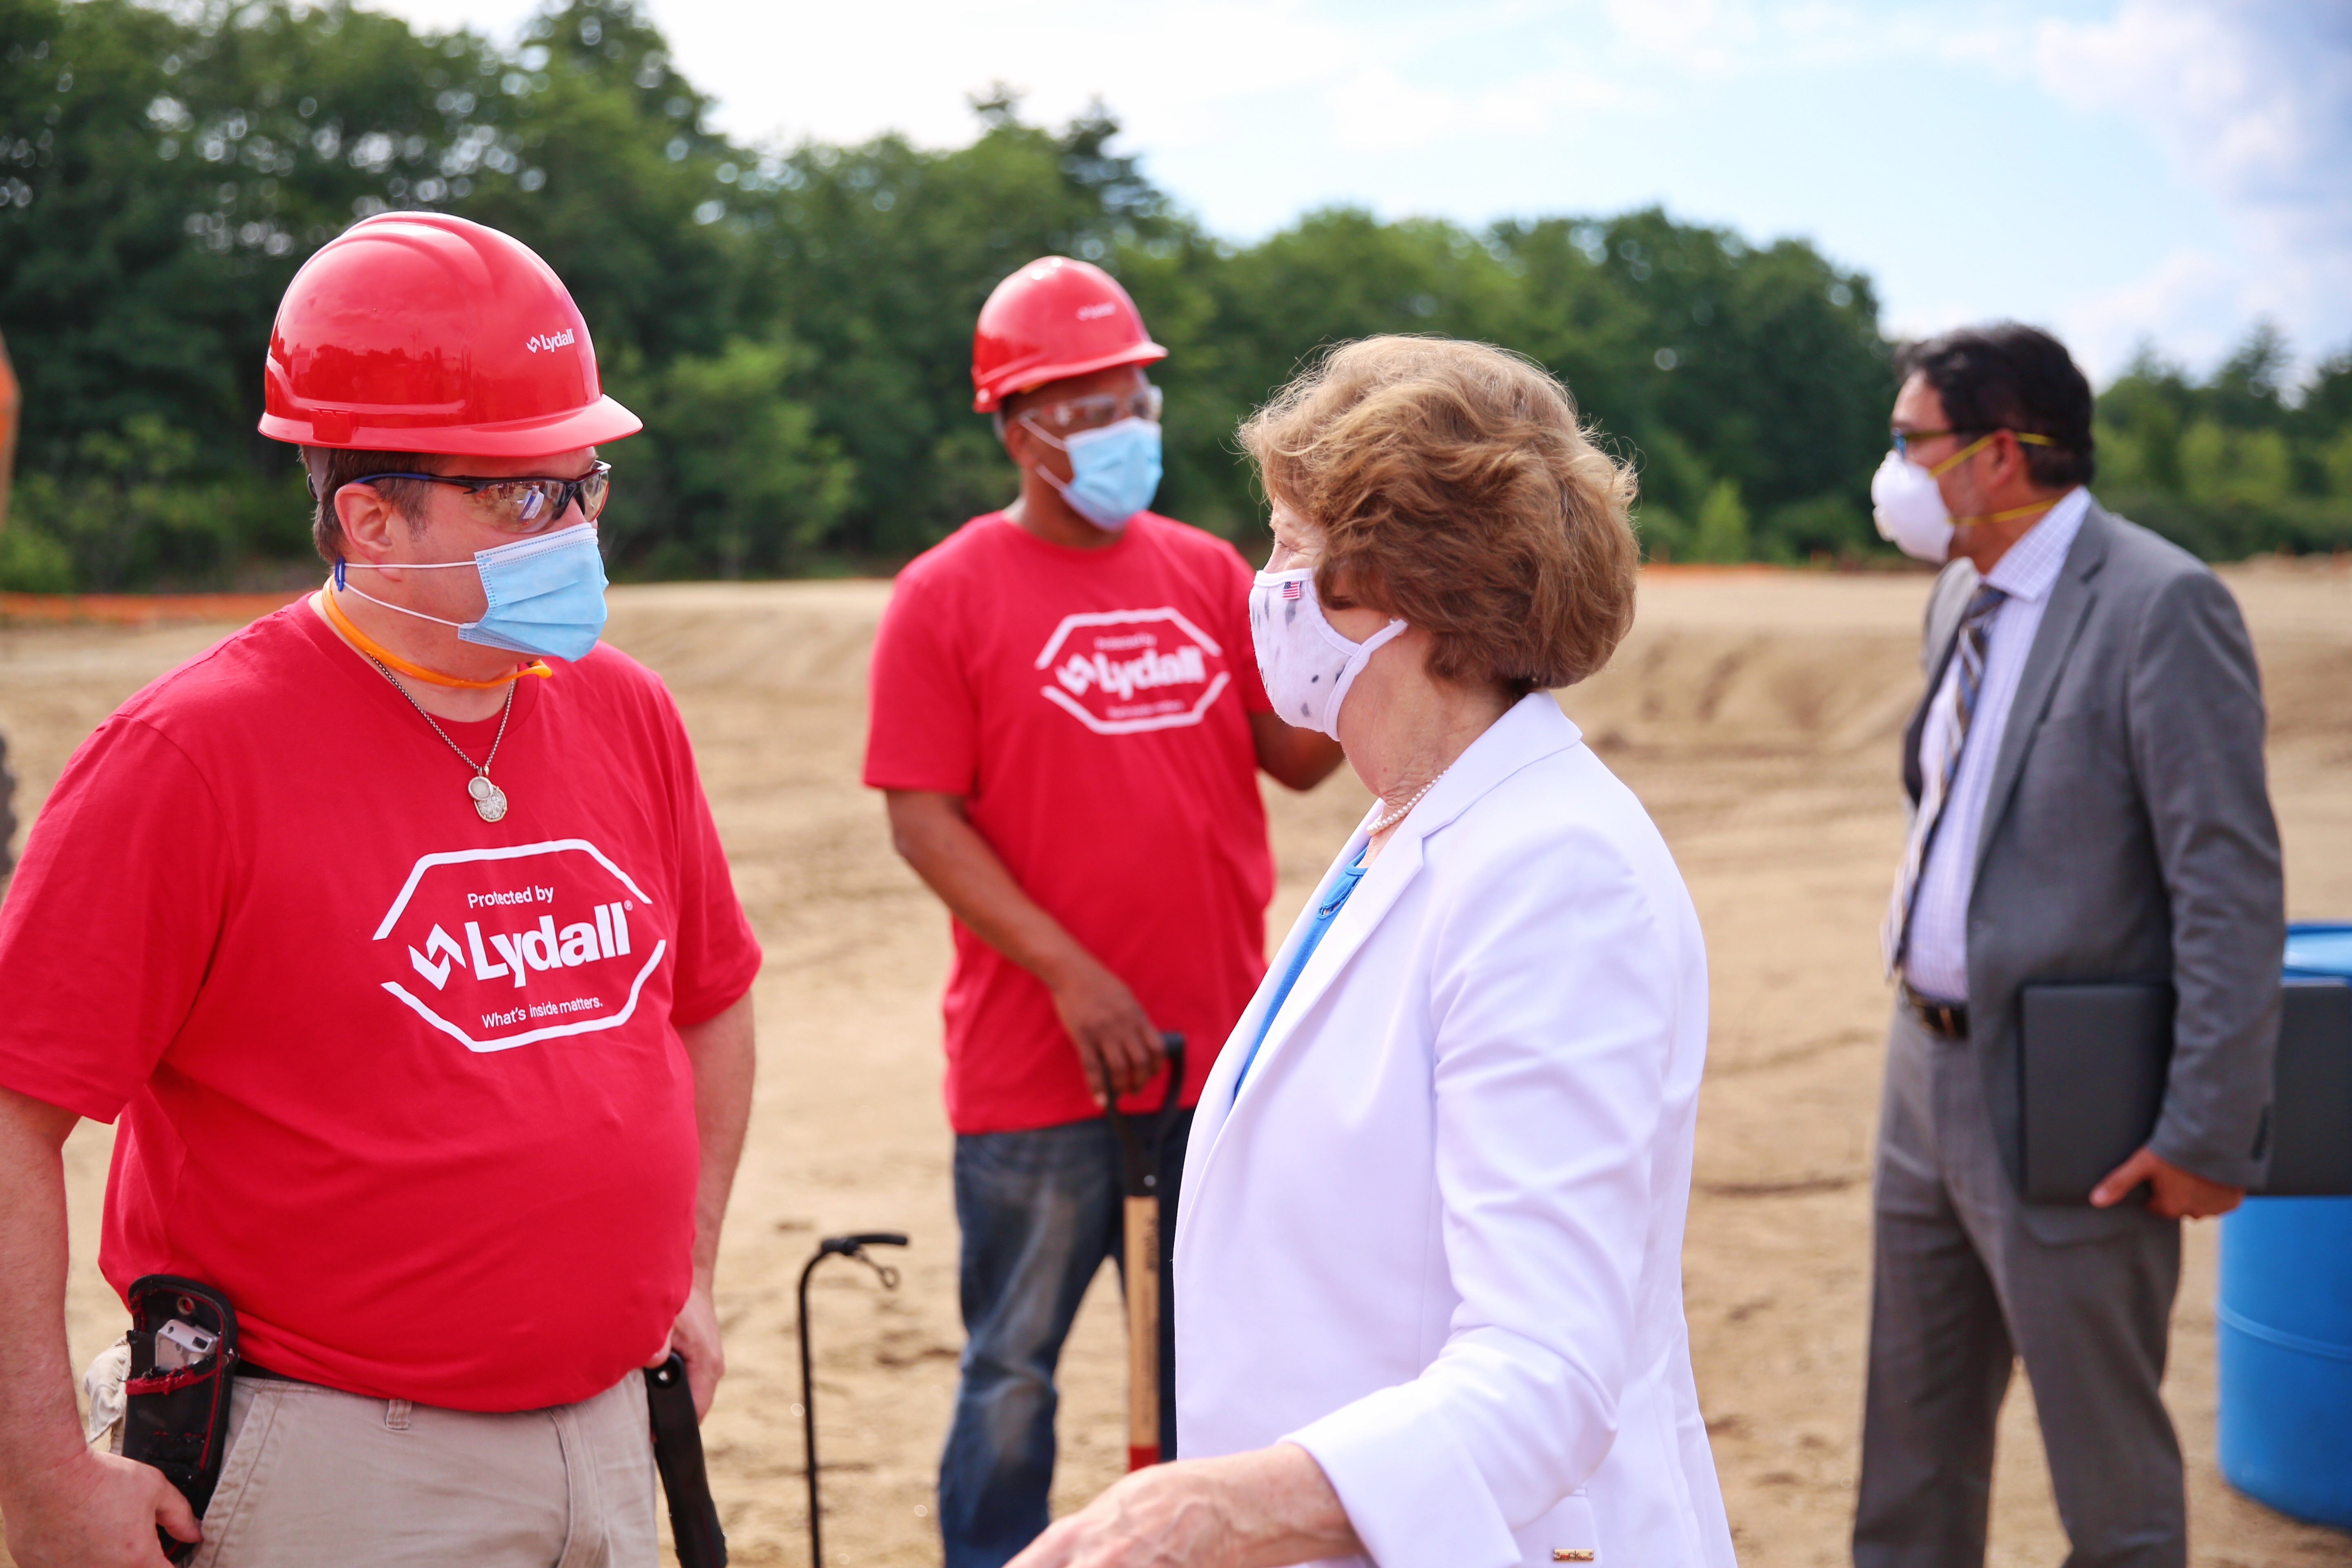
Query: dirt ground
<point x="1756" y="713"/>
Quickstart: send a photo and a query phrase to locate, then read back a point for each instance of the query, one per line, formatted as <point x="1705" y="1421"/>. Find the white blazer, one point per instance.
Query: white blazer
<point x="1437" y="1238"/>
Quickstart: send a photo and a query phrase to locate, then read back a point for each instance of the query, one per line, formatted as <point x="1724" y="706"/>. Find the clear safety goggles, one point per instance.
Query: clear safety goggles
<point x="1073" y="416"/>
<point x="523" y="503"/>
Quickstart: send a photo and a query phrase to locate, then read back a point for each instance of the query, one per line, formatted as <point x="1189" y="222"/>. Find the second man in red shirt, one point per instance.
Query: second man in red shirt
<point x="1068" y="722"/>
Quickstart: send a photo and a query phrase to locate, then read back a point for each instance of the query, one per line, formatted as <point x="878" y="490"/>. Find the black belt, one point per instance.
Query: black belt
<point x="255" y="1369"/>
<point x="1945" y="1020"/>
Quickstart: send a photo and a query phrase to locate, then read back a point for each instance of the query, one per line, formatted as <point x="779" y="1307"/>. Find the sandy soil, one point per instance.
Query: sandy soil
<point x="1756" y="713"/>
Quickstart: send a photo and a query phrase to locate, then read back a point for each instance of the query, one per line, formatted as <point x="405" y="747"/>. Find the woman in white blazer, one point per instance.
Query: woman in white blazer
<point x="1428" y="1268"/>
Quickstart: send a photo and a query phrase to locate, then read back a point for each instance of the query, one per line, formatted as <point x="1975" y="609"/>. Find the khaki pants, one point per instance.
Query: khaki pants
<point x="316" y="1477"/>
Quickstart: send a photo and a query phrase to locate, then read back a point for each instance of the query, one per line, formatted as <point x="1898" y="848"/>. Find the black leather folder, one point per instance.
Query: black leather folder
<point x="2092" y="1059"/>
<point x="2311" y="1119"/>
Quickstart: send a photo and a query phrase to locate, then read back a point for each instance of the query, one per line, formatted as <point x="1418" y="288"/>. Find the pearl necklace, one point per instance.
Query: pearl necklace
<point x="1393" y="817"/>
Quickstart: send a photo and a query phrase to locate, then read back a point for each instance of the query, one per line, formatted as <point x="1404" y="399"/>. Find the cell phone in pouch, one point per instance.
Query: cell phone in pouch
<point x="181" y="1344"/>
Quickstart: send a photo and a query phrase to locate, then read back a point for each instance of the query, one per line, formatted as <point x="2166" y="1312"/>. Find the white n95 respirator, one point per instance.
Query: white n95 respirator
<point x="1908" y="507"/>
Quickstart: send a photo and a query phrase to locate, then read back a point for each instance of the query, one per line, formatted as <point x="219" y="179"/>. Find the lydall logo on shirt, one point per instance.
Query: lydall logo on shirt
<point x="1121" y="672"/>
<point x="509" y="946"/>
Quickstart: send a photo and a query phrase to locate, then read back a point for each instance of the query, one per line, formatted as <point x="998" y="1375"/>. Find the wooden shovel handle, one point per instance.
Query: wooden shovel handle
<point x="1142" y="1333"/>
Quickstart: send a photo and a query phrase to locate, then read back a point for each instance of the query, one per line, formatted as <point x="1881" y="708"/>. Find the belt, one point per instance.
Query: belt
<point x="1945" y="1020"/>
<point x="255" y="1369"/>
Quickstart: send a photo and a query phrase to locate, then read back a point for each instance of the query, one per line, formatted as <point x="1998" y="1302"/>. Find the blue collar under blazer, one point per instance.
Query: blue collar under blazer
<point x="1436" y="1239"/>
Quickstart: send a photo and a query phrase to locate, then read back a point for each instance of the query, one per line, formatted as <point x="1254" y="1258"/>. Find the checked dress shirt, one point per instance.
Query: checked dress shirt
<point x="1925" y="932"/>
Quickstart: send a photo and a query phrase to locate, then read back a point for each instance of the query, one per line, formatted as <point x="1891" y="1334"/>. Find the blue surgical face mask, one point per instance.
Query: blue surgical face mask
<point x="546" y="595"/>
<point x="1114" y="471"/>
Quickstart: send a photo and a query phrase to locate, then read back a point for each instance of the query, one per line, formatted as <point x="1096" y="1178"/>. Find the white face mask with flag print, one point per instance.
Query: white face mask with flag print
<point x="1306" y="665"/>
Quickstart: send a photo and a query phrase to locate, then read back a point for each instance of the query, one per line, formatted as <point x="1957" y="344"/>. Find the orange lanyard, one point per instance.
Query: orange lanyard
<point x="370" y="646"/>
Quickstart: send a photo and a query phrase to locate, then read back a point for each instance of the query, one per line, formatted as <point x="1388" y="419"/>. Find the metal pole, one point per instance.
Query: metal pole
<point x="844" y="1247"/>
<point x="808" y="1415"/>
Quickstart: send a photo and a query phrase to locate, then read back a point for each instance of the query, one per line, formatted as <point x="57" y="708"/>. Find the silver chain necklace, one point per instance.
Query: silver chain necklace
<point x="489" y="800"/>
<point x="1393" y="817"/>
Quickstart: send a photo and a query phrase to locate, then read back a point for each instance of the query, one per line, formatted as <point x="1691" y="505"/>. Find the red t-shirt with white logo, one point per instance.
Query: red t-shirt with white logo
<point x="1092" y="706"/>
<point x="406" y="1085"/>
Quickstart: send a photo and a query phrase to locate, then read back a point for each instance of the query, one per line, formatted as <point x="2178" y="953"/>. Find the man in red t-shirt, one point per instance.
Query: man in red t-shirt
<point x="411" y="972"/>
<point x="1067" y="721"/>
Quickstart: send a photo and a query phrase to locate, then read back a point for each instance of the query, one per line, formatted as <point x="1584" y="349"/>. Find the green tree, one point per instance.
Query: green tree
<point x="2238" y="462"/>
<point x="2220" y="466"/>
<point x="1722" y="531"/>
<point x="795" y="321"/>
<point x="742" y="480"/>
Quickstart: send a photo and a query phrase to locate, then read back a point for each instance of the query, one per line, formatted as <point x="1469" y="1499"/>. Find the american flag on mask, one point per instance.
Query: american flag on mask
<point x="1293" y="589"/>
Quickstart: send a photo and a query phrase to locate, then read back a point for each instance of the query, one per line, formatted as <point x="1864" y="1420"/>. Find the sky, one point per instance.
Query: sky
<point x="2121" y="172"/>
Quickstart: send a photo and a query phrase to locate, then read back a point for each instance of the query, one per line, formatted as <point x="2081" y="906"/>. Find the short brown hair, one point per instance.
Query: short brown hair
<point x="331" y="468"/>
<point x="2007" y="376"/>
<point x="1454" y="488"/>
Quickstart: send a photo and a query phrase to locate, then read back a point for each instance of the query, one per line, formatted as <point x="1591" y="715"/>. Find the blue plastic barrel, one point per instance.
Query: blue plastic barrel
<point x="2285" y="1324"/>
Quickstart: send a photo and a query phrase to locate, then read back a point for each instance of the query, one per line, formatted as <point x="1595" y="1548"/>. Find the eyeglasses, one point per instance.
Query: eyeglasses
<point x="1076" y="414"/>
<point x="523" y="504"/>
<point x="1903" y="438"/>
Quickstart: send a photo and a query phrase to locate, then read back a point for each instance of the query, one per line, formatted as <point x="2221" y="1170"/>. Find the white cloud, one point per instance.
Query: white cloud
<point x="2193" y="304"/>
<point x="1707" y="37"/>
<point x="2252" y="101"/>
<point x="1378" y="109"/>
<point x="1170" y="71"/>
<point x="2228" y="188"/>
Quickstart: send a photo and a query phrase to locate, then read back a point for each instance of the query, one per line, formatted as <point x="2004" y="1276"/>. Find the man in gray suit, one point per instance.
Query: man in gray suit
<point x="2086" y="773"/>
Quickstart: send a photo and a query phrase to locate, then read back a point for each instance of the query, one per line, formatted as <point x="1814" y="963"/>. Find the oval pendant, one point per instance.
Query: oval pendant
<point x="491" y="806"/>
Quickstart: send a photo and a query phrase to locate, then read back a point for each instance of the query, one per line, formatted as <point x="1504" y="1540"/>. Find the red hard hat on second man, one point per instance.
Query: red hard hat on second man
<point x="1053" y="319"/>
<point x="422" y="333"/>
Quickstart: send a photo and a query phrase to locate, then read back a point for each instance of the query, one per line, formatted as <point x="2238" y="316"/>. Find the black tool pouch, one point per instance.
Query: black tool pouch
<point x="677" y="1455"/>
<point x="176" y="1419"/>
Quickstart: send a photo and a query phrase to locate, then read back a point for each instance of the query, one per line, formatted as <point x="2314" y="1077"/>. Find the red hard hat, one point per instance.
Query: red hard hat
<point x="1053" y="319"/>
<point x="422" y="333"/>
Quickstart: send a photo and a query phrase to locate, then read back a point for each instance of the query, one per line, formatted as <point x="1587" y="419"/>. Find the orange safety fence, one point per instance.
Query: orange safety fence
<point x="165" y="609"/>
<point x="141" y="609"/>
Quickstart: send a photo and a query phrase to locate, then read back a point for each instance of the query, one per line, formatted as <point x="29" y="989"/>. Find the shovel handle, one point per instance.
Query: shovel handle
<point x="1141" y="1135"/>
<point x="1142" y="1333"/>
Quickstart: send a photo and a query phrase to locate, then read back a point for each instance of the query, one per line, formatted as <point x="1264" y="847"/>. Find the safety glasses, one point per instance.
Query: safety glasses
<point x="1073" y="415"/>
<point x="523" y="504"/>
<point x="1903" y="438"/>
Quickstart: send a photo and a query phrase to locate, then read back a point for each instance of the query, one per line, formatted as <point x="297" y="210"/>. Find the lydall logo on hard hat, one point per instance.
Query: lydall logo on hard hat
<point x="1054" y="319"/>
<point x="375" y="347"/>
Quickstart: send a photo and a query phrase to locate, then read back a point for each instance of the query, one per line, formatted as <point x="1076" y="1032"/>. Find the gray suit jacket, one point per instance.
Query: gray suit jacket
<point x="2128" y="835"/>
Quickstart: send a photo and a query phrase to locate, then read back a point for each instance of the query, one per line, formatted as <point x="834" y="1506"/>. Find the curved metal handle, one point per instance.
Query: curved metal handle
<point x="856" y="1245"/>
<point x="851" y="1246"/>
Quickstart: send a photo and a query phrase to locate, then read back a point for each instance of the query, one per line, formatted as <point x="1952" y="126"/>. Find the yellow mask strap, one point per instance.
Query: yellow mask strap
<point x="370" y="646"/>
<point x="2004" y="516"/>
<point x="2027" y="436"/>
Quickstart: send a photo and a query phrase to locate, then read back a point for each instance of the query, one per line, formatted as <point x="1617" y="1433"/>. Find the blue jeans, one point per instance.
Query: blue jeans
<point x="1040" y="1211"/>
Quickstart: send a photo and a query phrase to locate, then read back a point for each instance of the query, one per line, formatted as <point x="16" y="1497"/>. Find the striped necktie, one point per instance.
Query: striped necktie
<point x="1969" y="655"/>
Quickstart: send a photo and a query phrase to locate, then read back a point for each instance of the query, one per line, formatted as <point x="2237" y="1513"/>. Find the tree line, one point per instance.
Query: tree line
<point x="794" y="323"/>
